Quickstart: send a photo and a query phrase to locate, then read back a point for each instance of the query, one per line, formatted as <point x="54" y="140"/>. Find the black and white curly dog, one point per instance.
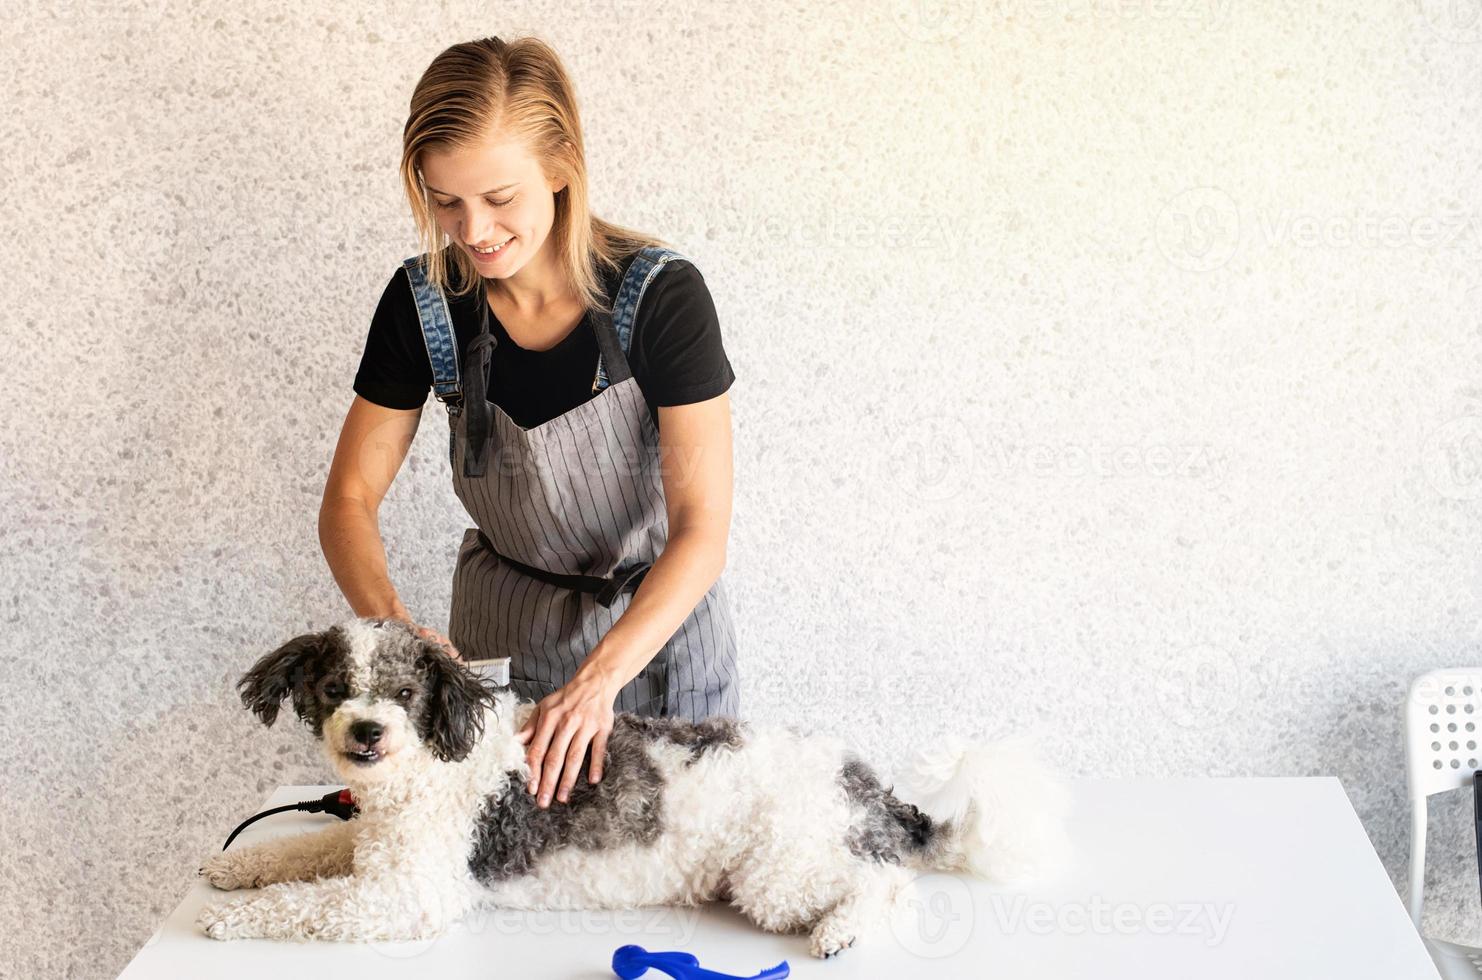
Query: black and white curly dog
<point x="793" y="829"/>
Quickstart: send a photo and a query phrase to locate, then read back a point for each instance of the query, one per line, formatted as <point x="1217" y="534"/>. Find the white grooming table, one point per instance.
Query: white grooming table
<point x="1173" y="878"/>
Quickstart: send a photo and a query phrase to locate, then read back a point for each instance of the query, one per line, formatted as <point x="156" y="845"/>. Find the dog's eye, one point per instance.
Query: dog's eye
<point x="405" y="694"/>
<point x="334" y="691"/>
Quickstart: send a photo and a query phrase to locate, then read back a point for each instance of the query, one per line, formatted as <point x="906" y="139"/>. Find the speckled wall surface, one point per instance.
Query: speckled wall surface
<point x="1105" y="369"/>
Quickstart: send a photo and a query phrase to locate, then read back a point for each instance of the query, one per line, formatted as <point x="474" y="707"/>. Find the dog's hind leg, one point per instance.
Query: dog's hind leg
<point x="835" y="903"/>
<point x="324" y="853"/>
<point x="862" y="911"/>
<point x="778" y="895"/>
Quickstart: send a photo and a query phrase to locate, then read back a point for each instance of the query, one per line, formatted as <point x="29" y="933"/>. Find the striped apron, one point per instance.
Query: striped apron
<point x="569" y="514"/>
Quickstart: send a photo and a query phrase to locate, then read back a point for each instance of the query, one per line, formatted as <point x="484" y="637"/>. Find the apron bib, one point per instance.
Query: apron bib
<point x="578" y="500"/>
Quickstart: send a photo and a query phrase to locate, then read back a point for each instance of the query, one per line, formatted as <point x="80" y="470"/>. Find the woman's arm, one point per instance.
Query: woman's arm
<point x="695" y="463"/>
<point x="373" y="443"/>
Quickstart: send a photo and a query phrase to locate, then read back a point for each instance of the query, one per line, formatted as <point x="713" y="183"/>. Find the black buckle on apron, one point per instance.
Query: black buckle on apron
<point x="604" y="590"/>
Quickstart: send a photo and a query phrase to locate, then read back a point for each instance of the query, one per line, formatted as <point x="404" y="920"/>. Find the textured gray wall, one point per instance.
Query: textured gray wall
<point x="1105" y="369"/>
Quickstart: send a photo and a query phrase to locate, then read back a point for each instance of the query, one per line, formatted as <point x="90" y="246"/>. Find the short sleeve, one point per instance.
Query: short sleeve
<point x="394" y="370"/>
<point x="683" y="359"/>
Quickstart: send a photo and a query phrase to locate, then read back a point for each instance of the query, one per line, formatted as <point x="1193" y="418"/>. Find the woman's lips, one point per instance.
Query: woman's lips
<point x="486" y="257"/>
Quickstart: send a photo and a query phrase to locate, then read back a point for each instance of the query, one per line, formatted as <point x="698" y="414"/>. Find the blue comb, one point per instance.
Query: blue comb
<point x="631" y="962"/>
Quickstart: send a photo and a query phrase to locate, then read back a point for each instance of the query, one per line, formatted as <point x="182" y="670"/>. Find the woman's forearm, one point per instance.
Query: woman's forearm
<point x="684" y="571"/>
<point x="351" y="540"/>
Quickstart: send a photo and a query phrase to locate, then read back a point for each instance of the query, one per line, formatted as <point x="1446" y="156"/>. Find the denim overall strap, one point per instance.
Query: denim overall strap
<point x="641" y="271"/>
<point x="437" y="334"/>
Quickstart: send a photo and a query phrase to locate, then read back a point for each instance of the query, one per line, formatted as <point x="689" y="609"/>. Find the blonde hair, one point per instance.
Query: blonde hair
<point x="519" y="90"/>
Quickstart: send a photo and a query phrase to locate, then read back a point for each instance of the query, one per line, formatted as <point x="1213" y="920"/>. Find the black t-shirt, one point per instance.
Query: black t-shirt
<point x="675" y="353"/>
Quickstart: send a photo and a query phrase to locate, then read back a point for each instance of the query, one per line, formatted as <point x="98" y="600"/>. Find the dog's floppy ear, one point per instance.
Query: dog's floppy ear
<point x="286" y="671"/>
<point x="453" y="718"/>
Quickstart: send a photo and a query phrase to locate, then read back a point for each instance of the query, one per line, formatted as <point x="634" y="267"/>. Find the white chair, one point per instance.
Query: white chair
<point x="1443" y="745"/>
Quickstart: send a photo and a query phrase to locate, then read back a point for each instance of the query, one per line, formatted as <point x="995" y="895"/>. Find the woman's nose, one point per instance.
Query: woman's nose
<point x="476" y="230"/>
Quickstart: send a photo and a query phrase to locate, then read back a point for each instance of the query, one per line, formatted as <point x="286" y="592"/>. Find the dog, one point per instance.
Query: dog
<point x="793" y="829"/>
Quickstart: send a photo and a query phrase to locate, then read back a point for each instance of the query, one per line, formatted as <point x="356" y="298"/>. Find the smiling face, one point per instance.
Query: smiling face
<point x="382" y="698"/>
<point x="494" y="194"/>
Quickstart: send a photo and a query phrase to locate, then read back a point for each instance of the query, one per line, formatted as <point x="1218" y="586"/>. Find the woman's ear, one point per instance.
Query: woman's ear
<point x="453" y="717"/>
<point x="286" y="671"/>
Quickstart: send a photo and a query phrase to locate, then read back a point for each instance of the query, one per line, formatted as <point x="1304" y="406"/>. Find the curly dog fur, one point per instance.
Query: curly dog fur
<point x="793" y="829"/>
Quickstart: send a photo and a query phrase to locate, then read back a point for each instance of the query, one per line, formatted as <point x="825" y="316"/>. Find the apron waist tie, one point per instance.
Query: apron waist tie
<point x="605" y="590"/>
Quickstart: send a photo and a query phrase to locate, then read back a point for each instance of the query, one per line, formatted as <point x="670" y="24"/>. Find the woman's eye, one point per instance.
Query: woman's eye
<point x="449" y="205"/>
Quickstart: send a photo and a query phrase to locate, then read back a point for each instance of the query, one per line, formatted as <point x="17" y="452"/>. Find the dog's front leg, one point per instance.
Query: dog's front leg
<point x="356" y="908"/>
<point x="296" y="857"/>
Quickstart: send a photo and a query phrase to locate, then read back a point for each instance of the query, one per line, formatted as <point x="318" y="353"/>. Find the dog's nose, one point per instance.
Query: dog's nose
<point x="367" y="733"/>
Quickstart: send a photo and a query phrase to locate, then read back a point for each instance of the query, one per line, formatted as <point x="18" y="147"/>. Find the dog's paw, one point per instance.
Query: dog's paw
<point x="223" y="921"/>
<point x="829" y="940"/>
<point x="229" y="872"/>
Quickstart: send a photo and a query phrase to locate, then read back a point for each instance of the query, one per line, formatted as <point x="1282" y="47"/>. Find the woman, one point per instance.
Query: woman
<point x="586" y="386"/>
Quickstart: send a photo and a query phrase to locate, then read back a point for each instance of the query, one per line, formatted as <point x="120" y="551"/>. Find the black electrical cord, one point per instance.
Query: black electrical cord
<point x="339" y="802"/>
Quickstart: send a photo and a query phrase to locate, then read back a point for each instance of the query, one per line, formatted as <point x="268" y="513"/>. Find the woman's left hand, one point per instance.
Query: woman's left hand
<point x="558" y="732"/>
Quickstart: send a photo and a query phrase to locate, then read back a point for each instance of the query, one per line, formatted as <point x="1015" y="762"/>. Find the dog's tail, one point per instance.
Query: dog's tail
<point x="996" y="810"/>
